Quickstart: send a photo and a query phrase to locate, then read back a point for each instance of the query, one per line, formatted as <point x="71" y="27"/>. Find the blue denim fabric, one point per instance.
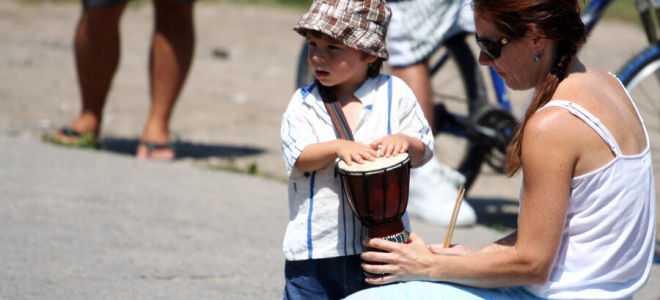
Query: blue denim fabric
<point x="328" y="278"/>
<point x="436" y="290"/>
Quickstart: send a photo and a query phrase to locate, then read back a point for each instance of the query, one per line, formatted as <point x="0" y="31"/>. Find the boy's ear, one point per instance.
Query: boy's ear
<point x="371" y="58"/>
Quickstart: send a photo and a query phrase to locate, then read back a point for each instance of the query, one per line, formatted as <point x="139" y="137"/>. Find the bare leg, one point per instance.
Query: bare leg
<point x="171" y="56"/>
<point x="417" y="77"/>
<point x="97" y="57"/>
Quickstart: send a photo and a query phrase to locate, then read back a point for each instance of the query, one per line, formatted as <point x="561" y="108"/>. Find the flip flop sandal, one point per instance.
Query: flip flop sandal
<point x="157" y="146"/>
<point x="71" y="138"/>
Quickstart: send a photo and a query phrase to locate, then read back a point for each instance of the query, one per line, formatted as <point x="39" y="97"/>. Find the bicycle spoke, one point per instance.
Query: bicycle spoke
<point x="647" y="105"/>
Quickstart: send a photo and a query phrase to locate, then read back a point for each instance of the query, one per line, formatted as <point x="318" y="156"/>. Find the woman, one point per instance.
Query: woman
<point x="586" y="219"/>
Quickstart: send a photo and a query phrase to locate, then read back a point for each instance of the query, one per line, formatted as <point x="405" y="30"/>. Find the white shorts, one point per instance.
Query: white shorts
<point x="418" y="27"/>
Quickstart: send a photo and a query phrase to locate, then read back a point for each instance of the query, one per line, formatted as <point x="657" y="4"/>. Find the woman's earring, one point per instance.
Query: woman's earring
<point x="537" y="57"/>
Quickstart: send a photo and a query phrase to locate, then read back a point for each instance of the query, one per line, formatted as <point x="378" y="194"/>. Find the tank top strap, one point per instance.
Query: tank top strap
<point x="590" y="120"/>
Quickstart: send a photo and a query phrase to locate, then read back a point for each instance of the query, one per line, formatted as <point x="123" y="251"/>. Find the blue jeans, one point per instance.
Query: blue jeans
<point x="328" y="278"/>
<point x="437" y="290"/>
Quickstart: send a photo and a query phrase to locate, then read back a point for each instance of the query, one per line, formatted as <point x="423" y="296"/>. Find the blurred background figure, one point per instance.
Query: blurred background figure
<point x="417" y="29"/>
<point x="97" y="52"/>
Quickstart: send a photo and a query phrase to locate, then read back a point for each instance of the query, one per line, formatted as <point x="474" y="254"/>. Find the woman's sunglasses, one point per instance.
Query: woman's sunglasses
<point x="491" y="48"/>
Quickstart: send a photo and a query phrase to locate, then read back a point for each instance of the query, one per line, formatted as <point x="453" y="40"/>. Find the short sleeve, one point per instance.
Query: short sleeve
<point x="296" y="132"/>
<point x="412" y="120"/>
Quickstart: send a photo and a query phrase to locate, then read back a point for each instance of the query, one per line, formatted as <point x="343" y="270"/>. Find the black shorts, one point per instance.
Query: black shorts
<point x="106" y="3"/>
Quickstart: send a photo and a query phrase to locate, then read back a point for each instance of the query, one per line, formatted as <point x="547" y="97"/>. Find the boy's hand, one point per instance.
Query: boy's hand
<point x="392" y="144"/>
<point x="350" y="152"/>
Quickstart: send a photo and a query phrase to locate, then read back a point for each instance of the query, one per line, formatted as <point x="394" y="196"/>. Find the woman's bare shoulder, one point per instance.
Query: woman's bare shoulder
<point x="585" y="85"/>
<point x="553" y="129"/>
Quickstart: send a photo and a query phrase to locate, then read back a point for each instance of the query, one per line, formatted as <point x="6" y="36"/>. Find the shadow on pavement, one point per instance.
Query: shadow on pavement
<point x="495" y="212"/>
<point x="183" y="149"/>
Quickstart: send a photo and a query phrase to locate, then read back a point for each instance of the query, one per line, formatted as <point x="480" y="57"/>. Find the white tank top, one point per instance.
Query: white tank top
<point x="607" y="245"/>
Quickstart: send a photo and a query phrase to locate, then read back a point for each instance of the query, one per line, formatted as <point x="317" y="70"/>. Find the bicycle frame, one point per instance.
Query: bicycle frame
<point x="644" y="8"/>
<point x="593" y="12"/>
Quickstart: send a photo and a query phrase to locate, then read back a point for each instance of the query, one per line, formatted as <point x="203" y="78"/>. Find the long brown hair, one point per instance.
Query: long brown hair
<point x="560" y="21"/>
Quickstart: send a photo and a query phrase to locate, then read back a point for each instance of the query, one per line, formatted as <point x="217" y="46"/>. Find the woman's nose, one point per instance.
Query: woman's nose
<point x="484" y="59"/>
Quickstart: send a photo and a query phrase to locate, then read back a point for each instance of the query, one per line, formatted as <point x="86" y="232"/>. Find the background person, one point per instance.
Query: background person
<point x="586" y="223"/>
<point x="97" y="51"/>
<point x="417" y="30"/>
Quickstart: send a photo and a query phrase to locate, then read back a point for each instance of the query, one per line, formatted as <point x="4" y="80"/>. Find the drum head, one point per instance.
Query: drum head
<point x="381" y="164"/>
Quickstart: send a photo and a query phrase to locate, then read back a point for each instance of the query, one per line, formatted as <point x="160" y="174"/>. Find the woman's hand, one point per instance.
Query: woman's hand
<point x="455" y="250"/>
<point x="400" y="262"/>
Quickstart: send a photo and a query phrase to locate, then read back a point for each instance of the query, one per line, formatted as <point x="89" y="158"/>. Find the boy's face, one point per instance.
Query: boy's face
<point x="335" y="64"/>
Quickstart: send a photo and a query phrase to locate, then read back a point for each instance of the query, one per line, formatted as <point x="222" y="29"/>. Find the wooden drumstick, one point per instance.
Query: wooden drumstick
<point x="454" y="215"/>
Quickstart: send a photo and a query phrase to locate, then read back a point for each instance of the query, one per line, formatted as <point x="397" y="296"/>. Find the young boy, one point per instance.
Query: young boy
<point x="323" y="239"/>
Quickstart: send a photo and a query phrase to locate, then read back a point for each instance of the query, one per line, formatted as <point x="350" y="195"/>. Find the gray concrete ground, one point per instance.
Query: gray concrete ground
<point x="80" y="224"/>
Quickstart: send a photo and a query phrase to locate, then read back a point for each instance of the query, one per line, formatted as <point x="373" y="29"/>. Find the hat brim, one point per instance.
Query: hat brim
<point x="351" y="37"/>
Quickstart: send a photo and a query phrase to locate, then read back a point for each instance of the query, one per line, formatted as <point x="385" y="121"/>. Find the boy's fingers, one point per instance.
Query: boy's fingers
<point x="395" y="150"/>
<point x="390" y="150"/>
<point x="399" y="149"/>
<point x="370" y="156"/>
<point x="347" y="160"/>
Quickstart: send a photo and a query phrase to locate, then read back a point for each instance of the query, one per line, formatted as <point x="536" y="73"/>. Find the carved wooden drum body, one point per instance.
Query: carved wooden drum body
<point x="378" y="194"/>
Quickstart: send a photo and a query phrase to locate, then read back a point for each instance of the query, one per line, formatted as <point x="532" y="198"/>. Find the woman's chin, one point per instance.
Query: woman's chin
<point x="516" y="86"/>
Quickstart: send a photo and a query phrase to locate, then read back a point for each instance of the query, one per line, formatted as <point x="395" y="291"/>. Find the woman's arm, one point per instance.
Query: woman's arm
<point x="549" y="156"/>
<point x="501" y="244"/>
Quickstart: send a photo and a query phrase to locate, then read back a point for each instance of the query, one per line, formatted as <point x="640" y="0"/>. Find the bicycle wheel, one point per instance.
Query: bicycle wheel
<point x="460" y="102"/>
<point x="641" y="77"/>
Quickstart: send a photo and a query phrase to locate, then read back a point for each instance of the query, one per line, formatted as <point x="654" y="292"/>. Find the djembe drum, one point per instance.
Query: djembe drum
<point x="377" y="192"/>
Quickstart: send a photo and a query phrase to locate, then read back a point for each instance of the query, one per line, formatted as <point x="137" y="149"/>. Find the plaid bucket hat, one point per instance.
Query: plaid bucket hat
<point x="359" y="24"/>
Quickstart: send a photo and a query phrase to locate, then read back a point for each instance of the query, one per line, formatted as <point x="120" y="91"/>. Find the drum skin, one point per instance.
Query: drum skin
<point x="378" y="197"/>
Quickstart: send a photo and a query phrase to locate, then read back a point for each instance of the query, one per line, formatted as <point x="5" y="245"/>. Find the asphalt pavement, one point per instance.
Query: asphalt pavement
<point x="85" y="224"/>
<point x="81" y="224"/>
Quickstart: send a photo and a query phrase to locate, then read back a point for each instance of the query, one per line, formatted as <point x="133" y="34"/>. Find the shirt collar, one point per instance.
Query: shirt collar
<point x="364" y="93"/>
